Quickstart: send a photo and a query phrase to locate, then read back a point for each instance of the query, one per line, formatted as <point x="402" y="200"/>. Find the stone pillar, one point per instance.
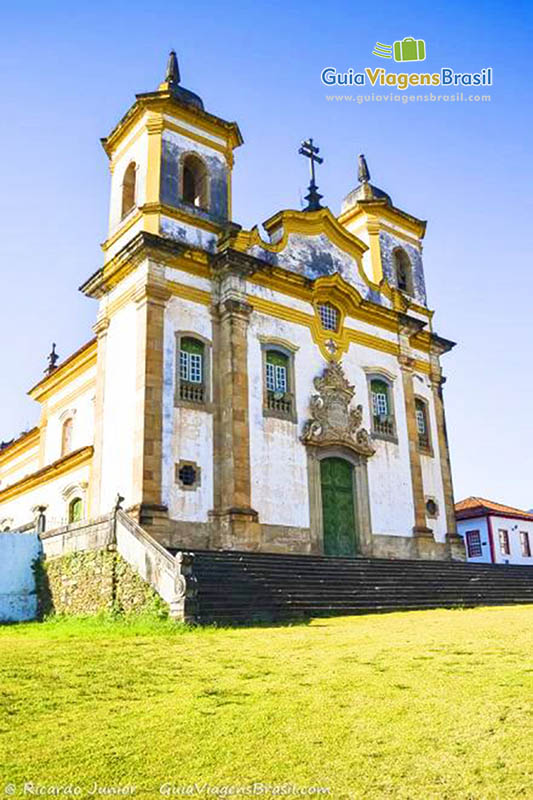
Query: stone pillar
<point x="235" y="523"/>
<point x="150" y="298"/>
<point x="454" y="541"/>
<point x="420" y="528"/>
<point x="100" y="328"/>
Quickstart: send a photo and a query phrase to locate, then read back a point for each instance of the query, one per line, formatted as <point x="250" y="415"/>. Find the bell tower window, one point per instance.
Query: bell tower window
<point x="128" y="189"/>
<point x="194" y="182"/>
<point x="403" y="272"/>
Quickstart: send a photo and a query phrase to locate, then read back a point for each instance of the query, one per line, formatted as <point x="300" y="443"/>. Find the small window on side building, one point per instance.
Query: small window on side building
<point x="473" y="544"/>
<point x="505" y="549"/>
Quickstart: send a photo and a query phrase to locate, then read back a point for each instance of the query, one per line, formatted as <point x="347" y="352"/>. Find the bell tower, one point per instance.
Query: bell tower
<point x="171" y="163"/>
<point x="394" y="237"/>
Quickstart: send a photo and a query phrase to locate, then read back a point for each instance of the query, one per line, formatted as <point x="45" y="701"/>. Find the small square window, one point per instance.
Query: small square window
<point x="188" y="475"/>
<point x="329" y="316"/>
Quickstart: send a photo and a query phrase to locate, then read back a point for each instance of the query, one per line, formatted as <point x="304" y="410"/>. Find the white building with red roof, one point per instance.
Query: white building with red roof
<point x="495" y="533"/>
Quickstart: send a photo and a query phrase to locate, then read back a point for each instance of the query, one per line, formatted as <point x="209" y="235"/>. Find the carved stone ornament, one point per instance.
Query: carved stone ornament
<point x="332" y="421"/>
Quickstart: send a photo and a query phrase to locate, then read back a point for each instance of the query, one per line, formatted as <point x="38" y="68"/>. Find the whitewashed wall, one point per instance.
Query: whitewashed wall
<point x="513" y="527"/>
<point x="18" y="600"/>
<point x="278" y="459"/>
<point x="54" y="494"/>
<point x="132" y="149"/>
<point x="119" y="407"/>
<point x="80" y="408"/>
<point x="187" y="432"/>
<point x="477" y="524"/>
<point x="17" y="468"/>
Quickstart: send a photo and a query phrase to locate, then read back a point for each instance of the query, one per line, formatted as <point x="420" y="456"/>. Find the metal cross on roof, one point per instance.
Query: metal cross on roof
<point x="310" y="151"/>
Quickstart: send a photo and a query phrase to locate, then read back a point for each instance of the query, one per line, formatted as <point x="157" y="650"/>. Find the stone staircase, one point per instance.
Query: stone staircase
<point x="239" y="587"/>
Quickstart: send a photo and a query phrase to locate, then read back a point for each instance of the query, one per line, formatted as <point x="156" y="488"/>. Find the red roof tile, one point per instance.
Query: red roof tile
<point x="479" y="506"/>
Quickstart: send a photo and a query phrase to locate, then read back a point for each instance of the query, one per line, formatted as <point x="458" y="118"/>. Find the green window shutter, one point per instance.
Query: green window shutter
<point x="194" y="346"/>
<point x="277" y="371"/>
<point x="380" y="398"/>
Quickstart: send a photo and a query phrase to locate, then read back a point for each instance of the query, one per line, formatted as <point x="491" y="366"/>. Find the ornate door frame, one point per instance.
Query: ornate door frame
<point x="334" y="431"/>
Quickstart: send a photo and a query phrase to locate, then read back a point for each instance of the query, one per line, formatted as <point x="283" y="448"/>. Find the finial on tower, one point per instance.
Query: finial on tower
<point x="173" y="70"/>
<point x="53" y="358"/>
<point x="363" y="173"/>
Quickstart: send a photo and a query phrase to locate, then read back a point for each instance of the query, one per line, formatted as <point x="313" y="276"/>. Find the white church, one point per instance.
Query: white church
<point x="277" y="390"/>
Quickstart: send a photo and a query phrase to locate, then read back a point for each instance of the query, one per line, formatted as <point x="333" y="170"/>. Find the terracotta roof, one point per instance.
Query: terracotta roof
<point x="479" y="507"/>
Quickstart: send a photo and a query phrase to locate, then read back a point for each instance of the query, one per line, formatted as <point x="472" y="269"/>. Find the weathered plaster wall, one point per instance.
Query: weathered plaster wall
<point x="431" y="465"/>
<point x="174" y="147"/>
<point x="187" y="432"/>
<point x="278" y="459"/>
<point x="388" y="242"/>
<point x="197" y="237"/>
<point x="315" y="256"/>
<point x="18" y="598"/>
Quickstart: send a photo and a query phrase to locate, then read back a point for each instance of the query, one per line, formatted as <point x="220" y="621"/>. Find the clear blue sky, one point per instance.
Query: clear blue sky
<point x="70" y="70"/>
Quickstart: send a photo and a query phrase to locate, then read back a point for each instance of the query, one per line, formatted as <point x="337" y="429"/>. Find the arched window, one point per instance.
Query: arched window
<point x="329" y="316"/>
<point x="422" y="425"/>
<point x="128" y="189"/>
<point x="382" y="410"/>
<point x="75" y="509"/>
<point x="402" y="269"/>
<point x="192" y="370"/>
<point x="66" y="436"/>
<point x="194" y="182"/>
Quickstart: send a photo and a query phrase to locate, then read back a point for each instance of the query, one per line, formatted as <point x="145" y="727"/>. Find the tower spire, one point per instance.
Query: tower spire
<point x="173" y="71"/>
<point x="363" y="173"/>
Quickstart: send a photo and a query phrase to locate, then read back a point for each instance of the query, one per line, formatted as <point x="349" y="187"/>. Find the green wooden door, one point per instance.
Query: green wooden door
<point x="338" y="508"/>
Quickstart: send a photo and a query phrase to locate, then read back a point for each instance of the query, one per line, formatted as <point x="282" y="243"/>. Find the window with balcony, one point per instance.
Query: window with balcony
<point x="192" y="374"/>
<point x="278" y="383"/>
<point x="383" y="424"/>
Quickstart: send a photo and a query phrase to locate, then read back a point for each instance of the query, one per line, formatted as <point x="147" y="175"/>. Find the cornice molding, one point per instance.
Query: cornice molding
<point x="66" y="464"/>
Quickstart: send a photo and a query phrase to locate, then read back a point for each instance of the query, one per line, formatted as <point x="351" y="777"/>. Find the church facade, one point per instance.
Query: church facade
<point x="276" y="391"/>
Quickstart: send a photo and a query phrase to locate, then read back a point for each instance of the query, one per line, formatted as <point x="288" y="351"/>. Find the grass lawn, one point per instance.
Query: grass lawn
<point x="430" y="704"/>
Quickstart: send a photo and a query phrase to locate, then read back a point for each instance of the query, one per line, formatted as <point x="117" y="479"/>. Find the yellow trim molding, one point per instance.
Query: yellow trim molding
<point x="79" y="362"/>
<point x="66" y="464"/>
<point x="25" y="442"/>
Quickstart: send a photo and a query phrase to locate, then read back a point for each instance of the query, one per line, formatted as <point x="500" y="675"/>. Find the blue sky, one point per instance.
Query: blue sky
<point x="69" y="71"/>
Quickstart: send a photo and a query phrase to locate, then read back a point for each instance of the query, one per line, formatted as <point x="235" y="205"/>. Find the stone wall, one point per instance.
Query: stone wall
<point x="92" y="582"/>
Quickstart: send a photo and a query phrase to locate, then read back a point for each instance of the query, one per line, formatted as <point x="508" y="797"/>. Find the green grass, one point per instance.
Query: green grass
<point x="433" y="704"/>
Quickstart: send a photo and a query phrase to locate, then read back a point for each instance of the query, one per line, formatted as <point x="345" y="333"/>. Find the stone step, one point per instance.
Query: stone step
<point x="236" y="587"/>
